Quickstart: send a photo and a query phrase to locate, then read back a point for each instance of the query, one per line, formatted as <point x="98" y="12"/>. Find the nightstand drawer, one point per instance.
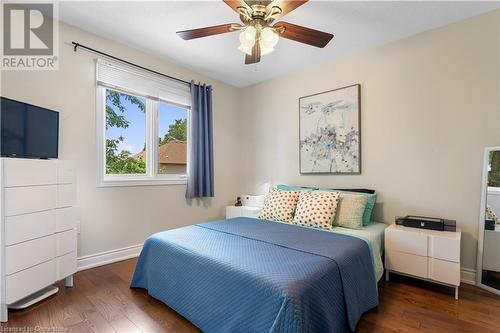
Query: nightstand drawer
<point x="406" y="242"/>
<point x="406" y="263"/>
<point x="444" y="271"/>
<point x="242" y="211"/>
<point x="444" y="248"/>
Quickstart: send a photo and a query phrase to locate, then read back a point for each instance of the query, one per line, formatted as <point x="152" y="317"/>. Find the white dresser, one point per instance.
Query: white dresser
<point x="425" y="254"/>
<point x="242" y="211"/>
<point x="38" y="228"/>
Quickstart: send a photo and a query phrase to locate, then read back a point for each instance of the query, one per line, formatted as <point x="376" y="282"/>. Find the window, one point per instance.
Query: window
<point x="172" y="139"/>
<point x="142" y="128"/>
<point x="494" y="169"/>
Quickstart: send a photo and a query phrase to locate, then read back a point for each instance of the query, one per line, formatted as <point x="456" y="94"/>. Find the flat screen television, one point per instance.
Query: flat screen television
<point x="27" y="130"/>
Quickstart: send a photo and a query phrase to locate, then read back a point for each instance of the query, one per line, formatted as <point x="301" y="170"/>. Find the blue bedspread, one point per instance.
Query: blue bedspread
<point x="250" y="275"/>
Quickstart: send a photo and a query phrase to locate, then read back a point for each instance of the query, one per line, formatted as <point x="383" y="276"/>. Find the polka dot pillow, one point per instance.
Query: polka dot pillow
<point x="316" y="209"/>
<point x="279" y="206"/>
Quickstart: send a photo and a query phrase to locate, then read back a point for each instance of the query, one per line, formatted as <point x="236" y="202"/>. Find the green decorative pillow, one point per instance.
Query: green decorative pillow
<point x="350" y="210"/>
<point x="372" y="198"/>
<point x="367" y="215"/>
<point x="295" y="188"/>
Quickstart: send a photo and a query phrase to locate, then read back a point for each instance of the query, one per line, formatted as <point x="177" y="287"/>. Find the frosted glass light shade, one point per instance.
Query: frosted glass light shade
<point x="269" y="37"/>
<point x="247" y="36"/>
<point x="264" y="49"/>
<point x="245" y="49"/>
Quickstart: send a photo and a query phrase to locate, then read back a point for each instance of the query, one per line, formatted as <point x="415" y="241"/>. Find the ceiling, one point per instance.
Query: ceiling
<point x="151" y="27"/>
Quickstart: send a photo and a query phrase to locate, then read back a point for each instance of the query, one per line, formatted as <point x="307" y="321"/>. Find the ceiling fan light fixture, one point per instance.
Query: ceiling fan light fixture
<point x="258" y="26"/>
<point x="268" y="40"/>
<point x="247" y="39"/>
<point x="245" y="49"/>
<point x="269" y="37"/>
<point x="247" y="36"/>
<point x="265" y="49"/>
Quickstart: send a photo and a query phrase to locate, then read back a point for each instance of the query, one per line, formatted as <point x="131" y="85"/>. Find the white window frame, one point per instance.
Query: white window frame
<point x="151" y="177"/>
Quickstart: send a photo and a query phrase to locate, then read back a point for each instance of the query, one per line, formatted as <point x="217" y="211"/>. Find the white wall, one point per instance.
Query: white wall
<point x="117" y="217"/>
<point x="430" y="104"/>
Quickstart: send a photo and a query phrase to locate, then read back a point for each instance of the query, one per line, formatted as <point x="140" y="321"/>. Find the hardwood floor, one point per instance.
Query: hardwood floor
<point x="102" y="301"/>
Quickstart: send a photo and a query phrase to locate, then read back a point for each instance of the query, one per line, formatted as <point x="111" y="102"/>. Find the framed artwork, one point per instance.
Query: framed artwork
<point x="329" y="132"/>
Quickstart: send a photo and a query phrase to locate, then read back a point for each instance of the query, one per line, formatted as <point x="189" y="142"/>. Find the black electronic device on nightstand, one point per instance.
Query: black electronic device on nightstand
<point x="424" y="222"/>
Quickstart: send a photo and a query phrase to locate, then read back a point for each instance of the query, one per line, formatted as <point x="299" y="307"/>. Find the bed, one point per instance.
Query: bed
<point x="251" y="275"/>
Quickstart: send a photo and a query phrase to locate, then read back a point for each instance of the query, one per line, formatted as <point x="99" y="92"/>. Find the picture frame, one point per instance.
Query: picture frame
<point x="330" y="131"/>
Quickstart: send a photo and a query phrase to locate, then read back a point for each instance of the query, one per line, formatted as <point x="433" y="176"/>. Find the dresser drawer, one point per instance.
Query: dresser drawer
<point x="25" y="227"/>
<point x="65" y="242"/>
<point x="444" y="248"/>
<point x="26" y="172"/>
<point x="23" y="200"/>
<point x="65" y="219"/>
<point x="66" y="172"/>
<point x="24" y="283"/>
<point x="406" y="263"/>
<point x="65" y="265"/>
<point x="407" y="242"/>
<point x="444" y="271"/>
<point x="30" y="253"/>
<point x="66" y="195"/>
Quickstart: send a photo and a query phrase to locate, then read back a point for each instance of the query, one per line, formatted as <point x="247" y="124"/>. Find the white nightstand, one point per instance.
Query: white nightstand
<point x="425" y="254"/>
<point x="242" y="211"/>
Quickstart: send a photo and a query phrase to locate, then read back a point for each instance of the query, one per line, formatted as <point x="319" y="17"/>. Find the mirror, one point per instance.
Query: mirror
<point x="488" y="270"/>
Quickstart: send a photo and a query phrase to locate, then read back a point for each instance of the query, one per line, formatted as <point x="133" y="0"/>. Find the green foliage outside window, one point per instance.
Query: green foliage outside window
<point x="123" y="162"/>
<point x="176" y="131"/>
<point x="494" y="173"/>
<point x="120" y="162"/>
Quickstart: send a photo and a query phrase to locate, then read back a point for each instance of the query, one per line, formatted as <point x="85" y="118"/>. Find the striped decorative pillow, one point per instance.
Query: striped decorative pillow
<point x="350" y="211"/>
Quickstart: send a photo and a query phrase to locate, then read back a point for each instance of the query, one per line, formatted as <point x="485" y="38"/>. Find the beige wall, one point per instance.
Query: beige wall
<point x="117" y="217"/>
<point x="430" y="104"/>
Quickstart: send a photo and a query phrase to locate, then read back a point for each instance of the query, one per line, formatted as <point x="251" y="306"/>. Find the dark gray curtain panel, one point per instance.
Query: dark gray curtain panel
<point x="201" y="152"/>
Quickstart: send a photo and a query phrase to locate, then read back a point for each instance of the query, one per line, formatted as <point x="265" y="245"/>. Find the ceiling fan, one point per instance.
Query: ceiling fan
<point x="258" y="34"/>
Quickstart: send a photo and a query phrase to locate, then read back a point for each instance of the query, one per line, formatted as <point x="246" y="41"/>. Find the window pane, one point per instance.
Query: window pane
<point x="494" y="169"/>
<point x="125" y="133"/>
<point x="172" y="149"/>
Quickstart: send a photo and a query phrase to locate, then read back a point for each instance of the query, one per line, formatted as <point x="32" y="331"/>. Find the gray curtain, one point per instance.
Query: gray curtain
<point x="201" y="156"/>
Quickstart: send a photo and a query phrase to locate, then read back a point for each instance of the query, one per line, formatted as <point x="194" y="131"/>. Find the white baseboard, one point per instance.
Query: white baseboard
<point x="108" y="257"/>
<point x="468" y="276"/>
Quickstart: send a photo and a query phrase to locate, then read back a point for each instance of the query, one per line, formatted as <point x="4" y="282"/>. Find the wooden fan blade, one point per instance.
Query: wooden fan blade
<point x="208" y="31"/>
<point x="285" y="6"/>
<point x="304" y="35"/>
<point x="234" y="4"/>
<point x="255" y="57"/>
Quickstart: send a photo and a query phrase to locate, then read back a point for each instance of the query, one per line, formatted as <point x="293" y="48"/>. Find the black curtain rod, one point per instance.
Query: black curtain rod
<point x="77" y="45"/>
